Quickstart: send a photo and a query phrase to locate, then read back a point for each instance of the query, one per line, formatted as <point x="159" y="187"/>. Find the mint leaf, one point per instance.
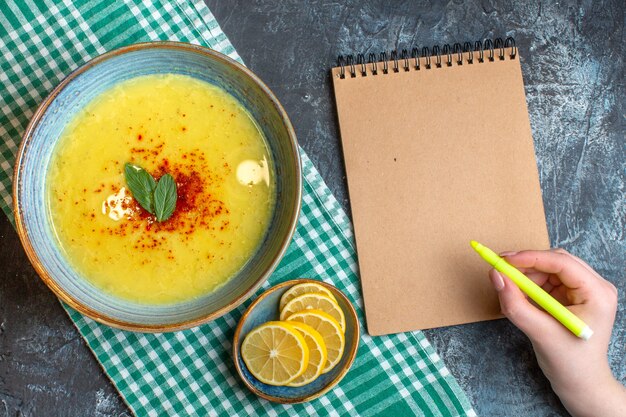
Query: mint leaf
<point x="165" y="198"/>
<point x="157" y="198"/>
<point x="141" y="185"/>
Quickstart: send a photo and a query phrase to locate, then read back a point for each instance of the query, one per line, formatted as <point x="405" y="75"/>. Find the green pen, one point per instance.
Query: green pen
<point x="535" y="292"/>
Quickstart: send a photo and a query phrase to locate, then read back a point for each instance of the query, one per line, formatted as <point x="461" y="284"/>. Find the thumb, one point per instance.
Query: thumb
<point x="534" y="322"/>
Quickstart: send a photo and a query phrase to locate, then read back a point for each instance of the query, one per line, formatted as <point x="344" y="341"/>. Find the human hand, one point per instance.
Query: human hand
<point x="578" y="369"/>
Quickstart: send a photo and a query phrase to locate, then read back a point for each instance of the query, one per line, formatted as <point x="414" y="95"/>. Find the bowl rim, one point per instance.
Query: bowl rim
<point x="335" y="381"/>
<point x="27" y="138"/>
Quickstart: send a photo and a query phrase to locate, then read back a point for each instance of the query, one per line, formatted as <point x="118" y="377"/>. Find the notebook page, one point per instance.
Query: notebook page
<point x="435" y="158"/>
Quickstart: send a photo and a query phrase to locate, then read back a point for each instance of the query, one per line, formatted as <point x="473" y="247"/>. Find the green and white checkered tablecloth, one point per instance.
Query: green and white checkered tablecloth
<point x="191" y="372"/>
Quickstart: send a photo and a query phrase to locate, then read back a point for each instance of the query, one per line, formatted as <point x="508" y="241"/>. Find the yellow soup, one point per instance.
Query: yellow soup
<point x="225" y="187"/>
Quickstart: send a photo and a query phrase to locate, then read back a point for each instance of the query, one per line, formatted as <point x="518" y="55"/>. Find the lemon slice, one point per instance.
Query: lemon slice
<point x="304" y="288"/>
<point x="314" y="301"/>
<point x="317" y="354"/>
<point x="275" y="353"/>
<point x="330" y="331"/>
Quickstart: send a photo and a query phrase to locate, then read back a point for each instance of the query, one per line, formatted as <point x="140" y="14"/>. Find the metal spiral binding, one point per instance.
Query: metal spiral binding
<point x="437" y="55"/>
<point x="415" y="54"/>
<point x="350" y="63"/>
<point x="478" y="46"/>
<point x="489" y="46"/>
<point x="491" y="50"/>
<point x="467" y="47"/>
<point x="448" y="52"/>
<point x="458" y="50"/>
<point x="405" y="57"/>
<point x="371" y="59"/>
<point x="360" y="60"/>
<point x="426" y="54"/>
<point x="341" y="63"/>
<point x="383" y="58"/>
<point x="510" y="43"/>
<point x="394" y="58"/>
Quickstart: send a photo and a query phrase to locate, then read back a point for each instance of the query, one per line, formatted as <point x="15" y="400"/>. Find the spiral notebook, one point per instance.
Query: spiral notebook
<point x="438" y="151"/>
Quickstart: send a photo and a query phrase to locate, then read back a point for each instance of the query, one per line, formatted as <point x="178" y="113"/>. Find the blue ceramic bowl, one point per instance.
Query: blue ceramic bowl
<point x="68" y="98"/>
<point x="264" y="309"/>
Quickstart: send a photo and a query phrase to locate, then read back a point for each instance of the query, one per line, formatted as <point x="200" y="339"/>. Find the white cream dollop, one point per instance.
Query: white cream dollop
<point x="117" y="205"/>
<point x="251" y="172"/>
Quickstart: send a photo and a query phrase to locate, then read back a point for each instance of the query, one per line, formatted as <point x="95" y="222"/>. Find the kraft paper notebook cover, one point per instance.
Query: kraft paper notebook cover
<point x="438" y="151"/>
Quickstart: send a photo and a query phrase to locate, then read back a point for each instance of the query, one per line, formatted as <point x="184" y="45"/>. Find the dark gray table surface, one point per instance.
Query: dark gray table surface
<point x="572" y="61"/>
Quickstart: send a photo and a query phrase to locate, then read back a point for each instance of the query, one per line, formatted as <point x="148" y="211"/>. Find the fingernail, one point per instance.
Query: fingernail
<point x="496" y="280"/>
<point x="507" y="253"/>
